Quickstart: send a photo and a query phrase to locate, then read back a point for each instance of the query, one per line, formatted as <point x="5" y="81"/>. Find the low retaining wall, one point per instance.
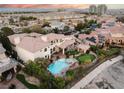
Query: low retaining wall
<point x="87" y="79"/>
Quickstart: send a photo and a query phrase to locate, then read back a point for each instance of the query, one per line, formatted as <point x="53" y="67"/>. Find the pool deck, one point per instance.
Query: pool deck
<point x="61" y="66"/>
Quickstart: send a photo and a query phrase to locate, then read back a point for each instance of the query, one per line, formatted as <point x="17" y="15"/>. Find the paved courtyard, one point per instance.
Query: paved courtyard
<point x="5" y="85"/>
<point x="110" y="78"/>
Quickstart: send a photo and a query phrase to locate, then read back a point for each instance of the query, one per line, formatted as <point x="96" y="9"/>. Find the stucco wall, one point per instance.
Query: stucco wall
<point x="23" y="54"/>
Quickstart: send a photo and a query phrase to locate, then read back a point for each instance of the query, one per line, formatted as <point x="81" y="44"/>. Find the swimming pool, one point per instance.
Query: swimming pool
<point x="59" y="65"/>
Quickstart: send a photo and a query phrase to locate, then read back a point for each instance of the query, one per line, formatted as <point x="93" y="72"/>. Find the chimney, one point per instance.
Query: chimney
<point x="44" y="38"/>
<point x="17" y="40"/>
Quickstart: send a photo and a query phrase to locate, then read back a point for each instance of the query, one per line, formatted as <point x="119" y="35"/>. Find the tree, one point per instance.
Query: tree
<point x="58" y="83"/>
<point x="37" y="68"/>
<point x="8" y="46"/>
<point x="93" y="48"/>
<point x="56" y="30"/>
<point x="36" y="28"/>
<point x="99" y="25"/>
<point x="66" y="28"/>
<point x="88" y="31"/>
<point x="60" y="10"/>
<point x="11" y="20"/>
<point x="22" y="18"/>
<point x="46" y="24"/>
<point x="42" y="62"/>
<point x="6" y="43"/>
<point x="79" y="26"/>
<point x="7" y="31"/>
<point x="70" y="75"/>
<point x="26" y="30"/>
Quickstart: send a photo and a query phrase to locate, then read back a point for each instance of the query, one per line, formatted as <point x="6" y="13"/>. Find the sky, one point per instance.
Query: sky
<point x="110" y="6"/>
<point x="44" y="5"/>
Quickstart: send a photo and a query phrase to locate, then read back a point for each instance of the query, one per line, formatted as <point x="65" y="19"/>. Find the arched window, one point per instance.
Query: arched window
<point x="45" y="49"/>
<point x="54" y="49"/>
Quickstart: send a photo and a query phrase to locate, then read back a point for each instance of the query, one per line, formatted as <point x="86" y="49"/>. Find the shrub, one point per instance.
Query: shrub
<point x="7" y="31"/>
<point x="70" y="75"/>
<point x="72" y="52"/>
<point x="113" y="51"/>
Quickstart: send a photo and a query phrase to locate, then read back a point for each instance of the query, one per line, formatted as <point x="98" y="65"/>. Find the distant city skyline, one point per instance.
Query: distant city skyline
<point x="79" y="6"/>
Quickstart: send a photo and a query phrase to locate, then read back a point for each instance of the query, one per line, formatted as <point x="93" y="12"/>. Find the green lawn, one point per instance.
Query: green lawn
<point x="21" y="78"/>
<point x="85" y="58"/>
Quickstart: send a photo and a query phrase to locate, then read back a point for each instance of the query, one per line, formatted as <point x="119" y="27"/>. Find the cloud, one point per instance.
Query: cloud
<point x="44" y="5"/>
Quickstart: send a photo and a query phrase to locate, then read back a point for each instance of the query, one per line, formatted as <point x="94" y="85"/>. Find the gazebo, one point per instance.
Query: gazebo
<point x="66" y="45"/>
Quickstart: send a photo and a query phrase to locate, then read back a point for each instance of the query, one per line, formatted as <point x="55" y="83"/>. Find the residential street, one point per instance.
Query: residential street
<point x="110" y="78"/>
<point x="86" y="80"/>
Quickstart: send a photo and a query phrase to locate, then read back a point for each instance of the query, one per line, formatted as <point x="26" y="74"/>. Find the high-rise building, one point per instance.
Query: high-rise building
<point x="92" y="9"/>
<point x="101" y="9"/>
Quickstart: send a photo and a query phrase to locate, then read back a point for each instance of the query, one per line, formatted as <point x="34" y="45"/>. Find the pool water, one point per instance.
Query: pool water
<point x="58" y="66"/>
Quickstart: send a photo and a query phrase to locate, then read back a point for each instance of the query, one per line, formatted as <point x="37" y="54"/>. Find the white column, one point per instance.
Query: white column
<point x="63" y="51"/>
<point x="0" y="76"/>
<point x="15" y="69"/>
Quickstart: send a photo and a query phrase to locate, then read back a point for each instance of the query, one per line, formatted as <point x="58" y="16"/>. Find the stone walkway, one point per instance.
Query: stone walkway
<point x="87" y="79"/>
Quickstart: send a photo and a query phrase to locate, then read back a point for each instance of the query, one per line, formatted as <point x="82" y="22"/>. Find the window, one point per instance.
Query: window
<point x="48" y="56"/>
<point x="45" y="49"/>
<point x="61" y="40"/>
<point x="45" y="56"/>
<point x="54" y="49"/>
<point x="51" y="51"/>
<point x="51" y="42"/>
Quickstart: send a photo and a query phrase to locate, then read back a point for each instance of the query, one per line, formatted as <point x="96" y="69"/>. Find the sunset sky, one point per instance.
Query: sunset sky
<point x="115" y="6"/>
<point x="44" y="5"/>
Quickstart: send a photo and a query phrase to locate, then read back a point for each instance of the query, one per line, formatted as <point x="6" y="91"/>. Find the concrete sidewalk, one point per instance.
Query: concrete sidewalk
<point x="87" y="79"/>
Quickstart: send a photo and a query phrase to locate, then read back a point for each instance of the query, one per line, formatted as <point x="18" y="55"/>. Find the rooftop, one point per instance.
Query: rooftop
<point x="34" y="41"/>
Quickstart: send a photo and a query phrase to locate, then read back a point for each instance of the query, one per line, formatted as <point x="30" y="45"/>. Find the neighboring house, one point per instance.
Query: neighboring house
<point x="33" y="45"/>
<point x="5" y="62"/>
<point x="87" y="42"/>
<point x="117" y="35"/>
<point x="113" y="34"/>
<point x="91" y="39"/>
